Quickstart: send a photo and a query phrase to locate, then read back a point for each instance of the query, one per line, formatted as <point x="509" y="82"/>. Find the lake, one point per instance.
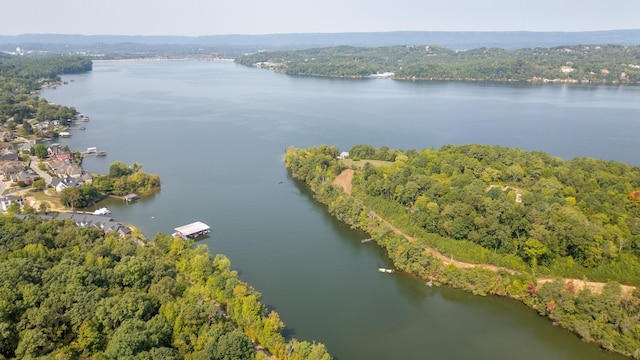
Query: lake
<point x="216" y="132"/>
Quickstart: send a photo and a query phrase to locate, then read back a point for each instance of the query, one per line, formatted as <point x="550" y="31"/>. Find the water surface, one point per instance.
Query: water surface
<point x="216" y="133"/>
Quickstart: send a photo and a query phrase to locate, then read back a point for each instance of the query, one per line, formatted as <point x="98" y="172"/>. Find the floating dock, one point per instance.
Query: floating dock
<point x="192" y="230"/>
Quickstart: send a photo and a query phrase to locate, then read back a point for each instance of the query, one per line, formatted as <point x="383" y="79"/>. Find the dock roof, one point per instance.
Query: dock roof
<point x="192" y="228"/>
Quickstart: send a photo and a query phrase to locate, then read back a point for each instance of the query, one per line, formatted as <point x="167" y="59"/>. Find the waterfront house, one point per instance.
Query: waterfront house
<point x="54" y="149"/>
<point x="26" y="146"/>
<point x="105" y="223"/>
<point x="63" y="169"/>
<point x="62" y="183"/>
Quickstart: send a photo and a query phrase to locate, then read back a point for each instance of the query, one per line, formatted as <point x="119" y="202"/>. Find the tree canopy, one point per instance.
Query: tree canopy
<point x="21" y="77"/>
<point x="70" y="292"/>
<point x="526" y="212"/>
<point x="586" y="64"/>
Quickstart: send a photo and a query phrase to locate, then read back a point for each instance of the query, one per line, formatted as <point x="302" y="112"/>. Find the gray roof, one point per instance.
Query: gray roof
<point x="105" y="222"/>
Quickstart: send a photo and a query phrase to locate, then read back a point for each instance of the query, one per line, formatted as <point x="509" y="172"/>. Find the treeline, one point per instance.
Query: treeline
<point x="459" y="197"/>
<point x="587" y="64"/>
<point x="21" y="77"/>
<point x="69" y="292"/>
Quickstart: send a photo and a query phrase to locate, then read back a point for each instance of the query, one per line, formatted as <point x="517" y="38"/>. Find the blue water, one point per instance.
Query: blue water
<point x="215" y="132"/>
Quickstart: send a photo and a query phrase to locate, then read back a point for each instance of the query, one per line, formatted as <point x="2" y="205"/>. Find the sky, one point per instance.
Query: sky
<point x="219" y="17"/>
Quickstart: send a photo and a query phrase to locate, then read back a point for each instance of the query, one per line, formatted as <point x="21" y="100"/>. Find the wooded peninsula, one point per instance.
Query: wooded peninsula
<point x="520" y="224"/>
<point x="587" y="64"/>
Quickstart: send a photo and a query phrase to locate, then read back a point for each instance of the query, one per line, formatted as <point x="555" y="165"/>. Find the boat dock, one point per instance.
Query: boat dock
<point x="93" y="151"/>
<point x="130" y="197"/>
<point x="192" y="230"/>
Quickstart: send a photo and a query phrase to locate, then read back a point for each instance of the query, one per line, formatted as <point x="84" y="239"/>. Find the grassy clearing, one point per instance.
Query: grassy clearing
<point x="360" y="163"/>
<point x="53" y="202"/>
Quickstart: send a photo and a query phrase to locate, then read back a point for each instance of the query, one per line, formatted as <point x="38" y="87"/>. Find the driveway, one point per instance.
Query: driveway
<point x="34" y="166"/>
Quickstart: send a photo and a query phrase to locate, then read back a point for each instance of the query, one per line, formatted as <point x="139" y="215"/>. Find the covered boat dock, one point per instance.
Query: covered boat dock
<point x="192" y="230"/>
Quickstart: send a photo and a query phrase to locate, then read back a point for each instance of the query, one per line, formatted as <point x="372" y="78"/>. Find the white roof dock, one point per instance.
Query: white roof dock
<point x="193" y="229"/>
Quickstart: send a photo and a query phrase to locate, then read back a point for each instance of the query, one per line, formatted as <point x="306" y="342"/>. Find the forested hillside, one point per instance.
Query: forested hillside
<point x="532" y="216"/>
<point x="69" y="292"/>
<point x="21" y="77"/>
<point x="585" y="64"/>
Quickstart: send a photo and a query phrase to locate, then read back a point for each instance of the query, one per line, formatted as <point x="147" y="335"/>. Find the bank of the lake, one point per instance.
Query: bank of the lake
<point x="592" y="311"/>
<point x="216" y="133"/>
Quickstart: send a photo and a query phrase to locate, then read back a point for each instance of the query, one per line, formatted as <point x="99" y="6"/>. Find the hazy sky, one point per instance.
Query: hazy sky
<point x="211" y="17"/>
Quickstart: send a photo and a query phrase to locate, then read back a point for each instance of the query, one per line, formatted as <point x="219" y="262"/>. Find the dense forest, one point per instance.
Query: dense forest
<point x="534" y="216"/>
<point x="70" y="292"/>
<point x="584" y="64"/>
<point x="22" y="77"/>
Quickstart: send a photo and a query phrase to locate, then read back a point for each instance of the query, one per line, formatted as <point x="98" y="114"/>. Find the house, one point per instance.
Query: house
<point x="9" y="169"/>
<point x="6" y="201"/>
<point x="62" y="183"/>
<point x="27" y="177"/>
<point x="26" y="146"/>
<point x="6" y="136"/>
<point x="566" y="69"/>
<point x="54" y="150"/>
<point x="6" y="148"/>
<point x="66" y="157"/>
<point x="104" y="222"/>
<point x="63" y="169"/>
<point x="9" y="157"/>
<point x="343" y="155"/>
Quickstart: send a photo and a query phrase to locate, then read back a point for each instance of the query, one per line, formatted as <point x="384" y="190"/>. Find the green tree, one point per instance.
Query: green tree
<point x="38" y="184"/>
<point x="27" y="128"/>
<point x="234" y="345"/>
<point x="71" y="197"/>
<point x="40" y="151"/>
<point x="533" y="250"/>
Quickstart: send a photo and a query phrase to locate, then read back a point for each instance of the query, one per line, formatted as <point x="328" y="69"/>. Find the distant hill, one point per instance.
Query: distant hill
<point x="237" y="44"/>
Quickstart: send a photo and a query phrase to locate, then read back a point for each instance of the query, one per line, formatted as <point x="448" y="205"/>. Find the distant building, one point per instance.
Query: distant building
<point x="566" y="69"/>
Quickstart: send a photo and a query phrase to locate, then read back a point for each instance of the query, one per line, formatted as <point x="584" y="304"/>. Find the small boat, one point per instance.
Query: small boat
<point x="102" y="211"/>
<point x="385" y="270"/>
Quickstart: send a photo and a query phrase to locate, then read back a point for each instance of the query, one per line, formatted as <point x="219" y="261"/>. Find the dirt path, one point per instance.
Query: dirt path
<point x="595" y="287"/>
<point x="344" y="180"/>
